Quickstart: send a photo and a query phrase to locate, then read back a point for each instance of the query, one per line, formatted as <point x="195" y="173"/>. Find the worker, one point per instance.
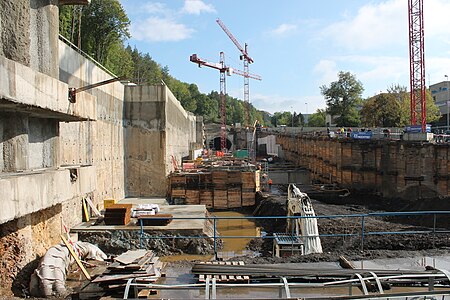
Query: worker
<point x="270" y="183"/>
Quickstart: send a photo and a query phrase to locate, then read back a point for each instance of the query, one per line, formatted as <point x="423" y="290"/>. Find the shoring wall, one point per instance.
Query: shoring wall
<point x="405" y="169"/>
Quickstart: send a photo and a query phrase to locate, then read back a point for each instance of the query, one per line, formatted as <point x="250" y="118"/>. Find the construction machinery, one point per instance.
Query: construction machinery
<point x="223" y="69"/>
<point x="299" y="204"/>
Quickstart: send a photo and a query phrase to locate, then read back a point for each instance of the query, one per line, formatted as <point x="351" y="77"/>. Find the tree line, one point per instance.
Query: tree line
<point x="101" y="29"/>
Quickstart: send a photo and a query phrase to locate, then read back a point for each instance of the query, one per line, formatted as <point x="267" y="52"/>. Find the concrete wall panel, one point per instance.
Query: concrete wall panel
<point x="43" y="189"/>
<point x="100" y="143"/>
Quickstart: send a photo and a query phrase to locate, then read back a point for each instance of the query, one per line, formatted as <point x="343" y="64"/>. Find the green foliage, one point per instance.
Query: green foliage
<point x="342" y="98"/>
<point x="317" y="119"/>
<point x="392" y="109"/>
<point x="382" y="110"/>
<point x="103" y="23"/>
<point x="282" y="118"/>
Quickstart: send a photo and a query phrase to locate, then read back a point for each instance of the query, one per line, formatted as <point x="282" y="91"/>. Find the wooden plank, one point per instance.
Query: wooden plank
<point x="147" y="257"/>
<point x="143" y="293"/>
<point x="105" y="278"/>
<point x="85" y="211"/>
<point x="92" y="206"/>
<point x="130" y="256"/>
<point x="77" y="260"/>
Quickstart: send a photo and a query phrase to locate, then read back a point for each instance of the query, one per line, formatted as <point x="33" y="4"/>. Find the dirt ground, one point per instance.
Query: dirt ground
<point x="374" y="246"/>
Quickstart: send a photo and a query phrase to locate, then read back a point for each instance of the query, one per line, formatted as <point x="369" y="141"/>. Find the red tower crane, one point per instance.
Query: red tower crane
<point x="417" y="62"/>
<point x="247" y="60"/>
<point x="222" y="69"/>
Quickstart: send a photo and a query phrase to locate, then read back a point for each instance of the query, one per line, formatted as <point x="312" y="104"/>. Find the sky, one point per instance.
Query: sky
<point x="297" y="45"/>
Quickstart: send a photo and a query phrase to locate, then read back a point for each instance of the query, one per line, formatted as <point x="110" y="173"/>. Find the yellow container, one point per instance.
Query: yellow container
<point x="109" y="202"/>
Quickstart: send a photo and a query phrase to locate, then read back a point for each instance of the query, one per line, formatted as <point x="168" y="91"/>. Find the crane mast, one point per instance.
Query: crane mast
<point x="247" y="60"/>
<point x="417" y="63"/>
<point x="224" y="70"/>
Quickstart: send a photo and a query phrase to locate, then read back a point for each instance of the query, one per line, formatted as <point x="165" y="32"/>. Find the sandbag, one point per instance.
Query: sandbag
<point x="50" y="276"/>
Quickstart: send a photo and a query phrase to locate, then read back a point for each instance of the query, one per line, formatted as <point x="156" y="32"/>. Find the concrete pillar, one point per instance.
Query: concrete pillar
<point x="29" y="33"/>
<point x="14" y="142"/>
<point x="44" y="30"/>
<point x="15" y="30"/>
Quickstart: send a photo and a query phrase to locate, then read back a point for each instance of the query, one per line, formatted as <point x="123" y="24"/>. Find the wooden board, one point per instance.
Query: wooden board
<point x="130" y="256"/>
<point x="77" y="260"/>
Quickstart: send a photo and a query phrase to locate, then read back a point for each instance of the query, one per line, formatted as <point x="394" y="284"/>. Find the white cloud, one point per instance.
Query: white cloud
<point x="154" y="8"/>
<point x="157" y="29"/>
<point x="277" y="103"/>
<point x="196" y="7"/>
<point x="283" y="29"/>
<point x="436" y="68"/>
<point x="327" y="70"/>
<point x="375" y="72"/>
<point x="436" y="20"/>
<point x="374" y="26"/>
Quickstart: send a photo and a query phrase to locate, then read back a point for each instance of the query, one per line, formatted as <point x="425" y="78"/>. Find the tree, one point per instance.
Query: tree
<point x="382" y="110"/>
<point x="120" y="61"/>
<point x="342" y="98"/>
<point x="392" y="109"/>
<point x="317" y="119"/>
<point x="103" y="23"/>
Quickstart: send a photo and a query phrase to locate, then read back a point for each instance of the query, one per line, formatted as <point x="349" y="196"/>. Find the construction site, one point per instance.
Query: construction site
<point x="112" y="190"/>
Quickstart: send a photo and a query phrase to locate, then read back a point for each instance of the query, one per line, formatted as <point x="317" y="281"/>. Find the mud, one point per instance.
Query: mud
<point x="374" y="246"/>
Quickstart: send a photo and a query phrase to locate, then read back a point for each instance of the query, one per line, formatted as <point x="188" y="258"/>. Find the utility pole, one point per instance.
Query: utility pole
<point x="292" y="118"/>
<point x="447" y="102"/>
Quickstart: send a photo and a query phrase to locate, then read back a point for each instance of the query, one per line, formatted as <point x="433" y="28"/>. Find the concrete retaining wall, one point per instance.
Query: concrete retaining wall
<point x="100" y="142"/>
<point x="157" y="129"/>
<point x="409" y="170"/>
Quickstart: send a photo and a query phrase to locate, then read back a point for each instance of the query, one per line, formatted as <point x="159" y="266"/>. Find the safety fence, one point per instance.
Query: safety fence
<point x="362" y="232"/>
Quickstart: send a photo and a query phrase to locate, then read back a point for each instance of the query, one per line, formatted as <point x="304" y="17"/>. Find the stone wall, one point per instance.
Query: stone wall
<point x="410" y="170"/>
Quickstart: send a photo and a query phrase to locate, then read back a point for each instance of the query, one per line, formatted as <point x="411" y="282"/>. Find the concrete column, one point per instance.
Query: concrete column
<point x="15" y="30"/>
<point x="43" y="36"/>
<point x="15" y="142"/>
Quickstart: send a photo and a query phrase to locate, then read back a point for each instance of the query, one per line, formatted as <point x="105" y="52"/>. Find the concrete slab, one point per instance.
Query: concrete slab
<point x="144" y="200"/>
<point x="194" y="218"/>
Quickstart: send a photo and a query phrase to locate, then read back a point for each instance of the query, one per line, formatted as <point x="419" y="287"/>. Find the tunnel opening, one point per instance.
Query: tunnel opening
<point x="215" y="144"/>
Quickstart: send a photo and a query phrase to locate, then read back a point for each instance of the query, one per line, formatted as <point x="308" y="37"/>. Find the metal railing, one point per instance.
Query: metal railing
<point x="362" y="232"/>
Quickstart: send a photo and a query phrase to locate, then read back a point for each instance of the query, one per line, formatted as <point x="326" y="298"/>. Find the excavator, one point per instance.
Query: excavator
<point x="299" y="204"/>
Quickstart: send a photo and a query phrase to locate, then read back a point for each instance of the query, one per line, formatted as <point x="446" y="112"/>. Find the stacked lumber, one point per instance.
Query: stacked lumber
<point x="248" y="188"/>
<point x="206" y="198"/>
<point x="219" y="189"/>
<point x="142" y="265"/>
<point x="118" y="214"/>
<point x="178" y="185"/>
<point x="219" y="179"/>
<point x="220" y="199"/>
<point x="192" y="197"/>
<point x="234" y="197"/>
